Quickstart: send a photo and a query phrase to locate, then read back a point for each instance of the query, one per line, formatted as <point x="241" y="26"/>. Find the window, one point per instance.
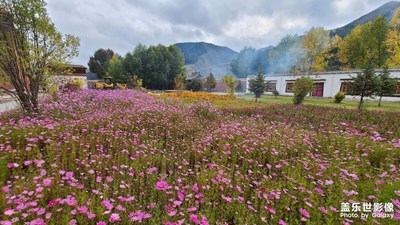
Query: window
<point x="289" y="87"/>
<point x="271" y="87"/>
<point x="345" y="87"/>
<point x="398" y="88"/>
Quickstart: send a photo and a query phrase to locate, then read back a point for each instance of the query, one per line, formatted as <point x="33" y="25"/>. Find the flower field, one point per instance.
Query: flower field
<point x="124" y="157"/>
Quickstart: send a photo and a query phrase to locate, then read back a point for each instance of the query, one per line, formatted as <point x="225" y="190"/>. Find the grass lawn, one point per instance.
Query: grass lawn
<point x="346" y="103"/>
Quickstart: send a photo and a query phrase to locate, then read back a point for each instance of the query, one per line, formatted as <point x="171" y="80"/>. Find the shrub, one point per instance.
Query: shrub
<point x="339" y="97"/>
<point x="78" y="82"/>
<point x="275" y="93"/>
<point x="301" y="88"/>
<point x="194" y="85"/>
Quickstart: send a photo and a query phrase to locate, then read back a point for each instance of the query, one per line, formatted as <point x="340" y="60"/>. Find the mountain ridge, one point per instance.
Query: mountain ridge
<point x="386" y="10"/>
<point x="208" y="58"/>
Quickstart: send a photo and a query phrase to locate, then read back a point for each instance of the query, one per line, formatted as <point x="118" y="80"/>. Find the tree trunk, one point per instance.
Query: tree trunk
<point x="360" y="104"/>
<point x="380" y="99"/>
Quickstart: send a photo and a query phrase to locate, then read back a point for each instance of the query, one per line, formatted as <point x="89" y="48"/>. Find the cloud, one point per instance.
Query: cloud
<point x="122" y="24"/>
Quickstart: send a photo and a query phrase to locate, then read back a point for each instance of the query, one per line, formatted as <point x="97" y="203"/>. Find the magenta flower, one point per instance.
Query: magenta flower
<point x="162" y="185"/>
<point x="47" y="182"/>
<point x="304" y="213"/>
<point x="194" y="219"/>
<point x="114" y="218"/>
<point x="82" y="209"/>
<point x="281" y="222"/>
<point x="52" y="203"/>
<point x="101" y="223"/>
<point x="5" y="189"/>
<point x="38" y="221"/>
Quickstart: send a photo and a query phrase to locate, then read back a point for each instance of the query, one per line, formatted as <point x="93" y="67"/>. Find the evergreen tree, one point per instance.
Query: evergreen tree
<point x="366" y="84"/>
<point x="98" y="63"/>
<point x="388" y="85"/>
<point x="210" y="82"/>
<point x="258" y="85"/>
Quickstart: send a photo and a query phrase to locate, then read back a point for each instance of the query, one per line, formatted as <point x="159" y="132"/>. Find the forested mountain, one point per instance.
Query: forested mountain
<point x="206" y="58"/>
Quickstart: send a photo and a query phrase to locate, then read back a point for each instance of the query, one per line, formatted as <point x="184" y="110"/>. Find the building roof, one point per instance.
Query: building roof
<point x="78" y="66"/>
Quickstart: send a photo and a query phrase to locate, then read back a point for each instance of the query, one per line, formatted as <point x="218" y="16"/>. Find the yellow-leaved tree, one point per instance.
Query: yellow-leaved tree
<point x="393" y="40"/>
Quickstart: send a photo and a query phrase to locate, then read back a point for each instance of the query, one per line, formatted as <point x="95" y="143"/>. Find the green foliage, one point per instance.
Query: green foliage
<point x="377" y="157"/>
<point x="301" y="88"/>
<point x="275" y="93"/>
<point x="98" y="63"/>
<point x="134" y="82"/>
<point x="78" y="82"/>
<point x="339" y="97"/>
<point x="157" y="65"/>
<point x="180" y="82"/>
<point x="210" y="82"/>
<point x="194" y="85"/>
<point x="285" y="56"/>
<point x="329" y="59"/>
<point x="258" y="85"/>
<point x="241" y="66"/>
<point x="229" y="81"/>
<point x="366" y="84"/>
<point x="116" y="70"/>
<point x="31" y="49"/>
<point x="366" y="45"/>
<point x="388" y="84"/>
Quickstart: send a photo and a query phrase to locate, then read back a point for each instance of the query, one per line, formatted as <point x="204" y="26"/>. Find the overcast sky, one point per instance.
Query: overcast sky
<point x="122" y="24"/>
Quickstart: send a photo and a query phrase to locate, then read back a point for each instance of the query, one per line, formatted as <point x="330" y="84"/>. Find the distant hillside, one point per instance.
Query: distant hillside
<point x="206" y="58"/>
<point x="386" y="10"/>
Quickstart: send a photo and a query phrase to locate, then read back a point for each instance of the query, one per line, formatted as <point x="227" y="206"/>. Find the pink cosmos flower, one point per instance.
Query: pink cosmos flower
<point x="71" y="201"/>
<point x="91" y="215"/>
<point x="228" y="199"/>
<point x="323" y="210"/>
<point x="101" y="223"/>
<point x="47" y="182"/>
<point x="114" y="218"/>
<point x="180" y="196"/>
<point x="69" y="175"/>
<point x="304" y="213"/>
<point x="82" y="209"/>
<point x="281" y="222"/>
<point x="162" y="185"/>
<point x="204" y="220"/>
<point x="38" y="221"/>
<point x="194" y="219"/>
<point x="9" y="212"/>
<point x="52" y="203"/>
<point x="5" y="189"/>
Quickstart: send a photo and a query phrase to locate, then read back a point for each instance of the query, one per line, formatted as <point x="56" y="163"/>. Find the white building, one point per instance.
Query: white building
<point x="327" y="84"/>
